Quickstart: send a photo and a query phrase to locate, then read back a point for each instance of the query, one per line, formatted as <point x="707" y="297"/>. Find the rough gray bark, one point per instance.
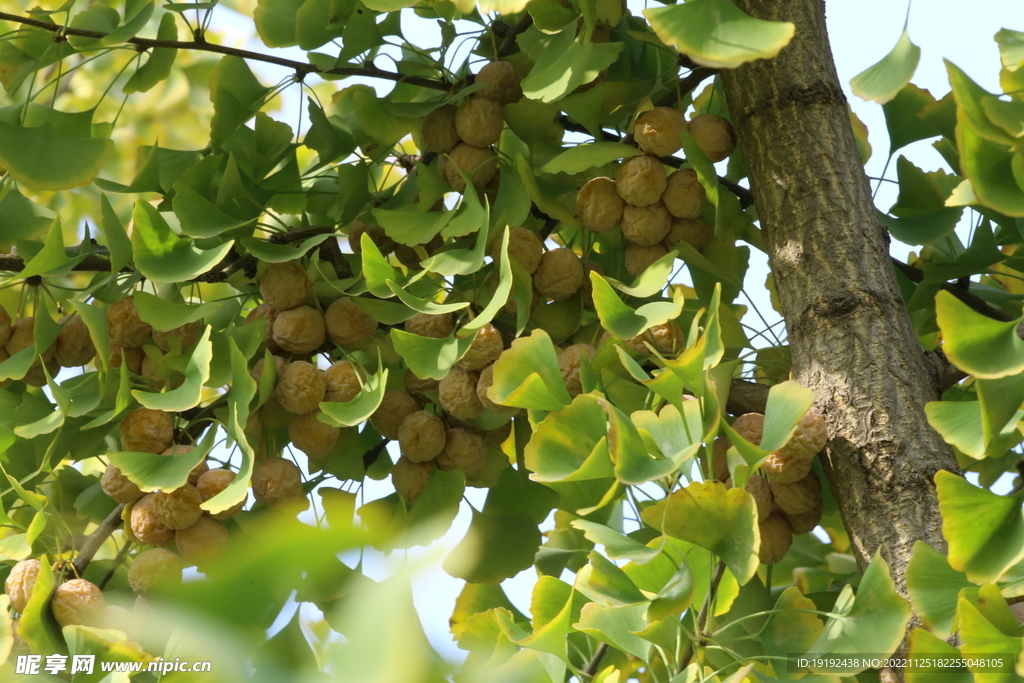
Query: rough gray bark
<point x="851" y="338"/>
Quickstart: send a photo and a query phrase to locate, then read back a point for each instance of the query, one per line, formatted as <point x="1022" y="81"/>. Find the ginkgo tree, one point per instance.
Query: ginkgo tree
<point x="224" y="335"/>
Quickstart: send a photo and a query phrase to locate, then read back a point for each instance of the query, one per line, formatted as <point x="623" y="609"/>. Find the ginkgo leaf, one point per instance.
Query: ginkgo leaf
<point x="881" y="82"/>
<point x="716" y="33"/>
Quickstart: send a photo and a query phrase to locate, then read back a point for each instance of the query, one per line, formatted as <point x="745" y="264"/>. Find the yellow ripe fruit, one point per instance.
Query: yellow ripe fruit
<point x="74" y="346"/>
<point x="377" y="235"/>
<point x="79" y="603"/>
<point x="23" y="336"/>
<point x="132" y="356"/>
<point x="479" y="122"/>
<point x="776" y="537"/>
<point x="714" y="135"/>
<point x="276" y="482"/>
<point x="212" y="483"/>
<point x="479" y="163"/>
<point x="300" y="330"/>
<point x="119" y="487"/>
<point x="417" y="386"/>
<point x="659" y="131"/>
<point x="457" y="394"/>
<point x="438" y="133"/>
<point x="146" y="524"/>
<point x="343" y="381"/>
<point x="311" y="436"/>
<point x="421" y="436"/>
<point x="464" y="451"/>
<point x="503" y="83"/>
<point x="750" y="426"/>
<point x="599" y="205"/>
<point x="301" y="387"/>
<point x="20" y="583"/>
<point x="783" y="469"/>
<point x="641" y="180"/>
<point x="757" y="486"/>
<point x="270" y="313"/>
<point x="667" y="339"/>
<point x="154" y="569"/>
<point x="182" y="338"/>
<point x="645" y="225"/>
<point x="720" y="458"/>
<point x="178" y="509"/>
<point x="197" y="471"/>
<point x="684" y="196"/>
<point x="147" y="431"/>
<point x="799" y="497"/>
<point x="804" y="522"/>
<point x="694" y="231"/>
<point x="5" y="325"/>
<point x="524" y="246"/>
<point x="559" y="275"/>
<point x="484" y="350"/>
<point x="809" y="438"/>
<point x="348" y="325"/>
<point x="427" y="325"/>
<point x="638" y="257"/>
<point x="569" y="361"/>
<point x="285" y="285"/>
<point x="395" y="406"/>
<point x="203" y="542"/>
<point x="125" y="327"/>
<point x="410" y="478"/>
<point x="485" y="382"/>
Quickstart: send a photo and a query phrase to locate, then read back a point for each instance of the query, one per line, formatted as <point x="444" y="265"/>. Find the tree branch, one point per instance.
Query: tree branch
<point x="508" y="43"/>
<point x="746" y="397"/>
<point x="591" y="668"/>
<point x="94" y="540"/>
<point x="300" y="68"/>
<point x="976" y="303"/>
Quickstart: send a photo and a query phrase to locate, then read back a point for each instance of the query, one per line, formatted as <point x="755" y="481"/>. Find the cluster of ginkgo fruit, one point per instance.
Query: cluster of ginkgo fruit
<point x="656" y="210"/>
<point x="789" y="500"/>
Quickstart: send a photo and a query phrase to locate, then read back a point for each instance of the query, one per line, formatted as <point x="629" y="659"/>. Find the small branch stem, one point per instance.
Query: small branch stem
<point x="94" y="540"/>
<point x="300" y="68"/>
<point x="590" y="669"/>
<point x="702" y="617"/>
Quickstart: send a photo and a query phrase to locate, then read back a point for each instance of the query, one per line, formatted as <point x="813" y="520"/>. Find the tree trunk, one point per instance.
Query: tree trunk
<point x="851" y="337"/>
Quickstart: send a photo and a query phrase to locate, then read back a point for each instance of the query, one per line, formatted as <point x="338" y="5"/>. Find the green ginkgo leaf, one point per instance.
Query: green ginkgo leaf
<point x="721" y="520"/>
<point x="716" y="33"/>
<point x="582" y="157"/>
<point x="163" y="256"/>
<point x="985" y="531"/>
<point x="527" y="375"/>
<point x="47" y="158"/>
<point x="190" y="393"/>
<point x="934" y="587"/>
<point x="881" y="82"/>
<point x="622" y="320"/>
<point x="872" y="621"/>
<point x="985" y="348"/>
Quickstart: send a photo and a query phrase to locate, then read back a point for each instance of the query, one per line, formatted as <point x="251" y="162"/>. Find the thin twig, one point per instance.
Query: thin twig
<point x="591" y="668"/>
<point x="94" y="540"/>
<point x="976" y="303"/>
<point x="509" y="42"/>
<point x="121" y="554"/>
<point x="702" y="617"/>
<point x="300" y="68"/>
